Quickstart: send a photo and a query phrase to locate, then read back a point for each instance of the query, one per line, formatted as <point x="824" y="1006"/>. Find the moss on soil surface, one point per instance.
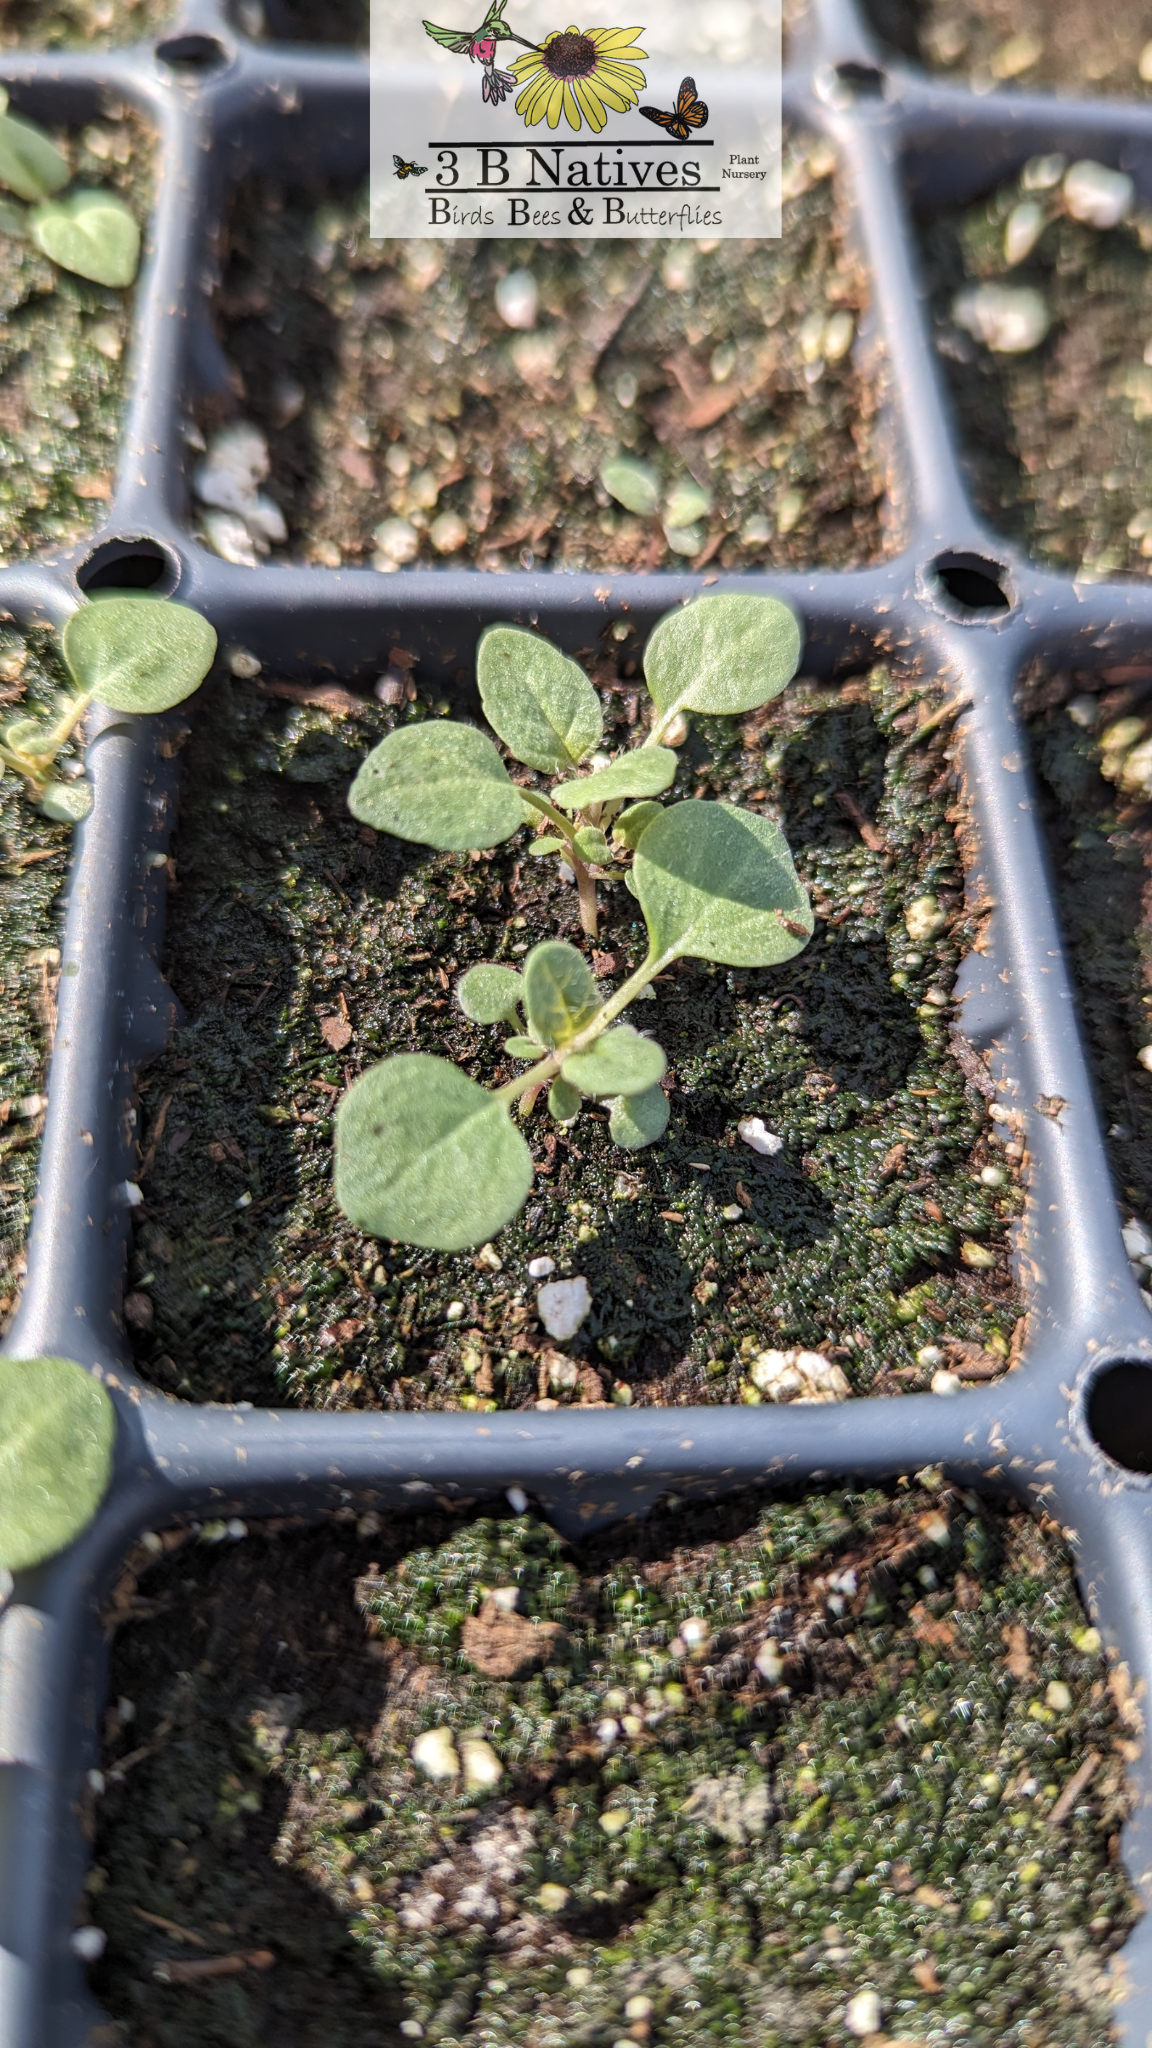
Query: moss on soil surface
<point x="1076" y="47"/>
<point x="33" y="859"/>
<point x="303" y="948"/>
<point x="388" y="384"/>
<point x="1059" y="439"/>
<point x="63" y="346"/>
<point x="93" y="24"/>
<point x="876" y="1811"/>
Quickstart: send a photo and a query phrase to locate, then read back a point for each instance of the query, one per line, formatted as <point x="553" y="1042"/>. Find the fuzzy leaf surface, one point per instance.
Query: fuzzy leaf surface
<point x="440" y="784"/>
<point x="523" y="1048"/>
<point x="92" y="234"/>
<point x="559" y="992"/>
<point x="30" y="164"/>
<point x="426" y="1155"/>
<point x="548" y="844"/>
<point x="646" y="771"/>
<point x="57" y="1429"/>
<point x="563" y="1101"/>
<point x="620" y="1063"/>
<point x="718" y="883"/>
<point x="489" y="993"/>
<point x="541" y="704"/>
<point x="138" y="653"/>
<point x="725" y="654"/>
<point x="638" y="1120"/>
<point x="592" y="846"/>
<point x="67" y="803"/>
<point x="632" y="824"/>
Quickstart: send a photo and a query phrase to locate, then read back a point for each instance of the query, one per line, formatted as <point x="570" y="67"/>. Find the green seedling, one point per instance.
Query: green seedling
<point x="446" y="786"/>
<point x="57" y="1429"/>
<point x="426" y="1155"/>
<point x="133" y="654"/>
<point x="91" y="233"/>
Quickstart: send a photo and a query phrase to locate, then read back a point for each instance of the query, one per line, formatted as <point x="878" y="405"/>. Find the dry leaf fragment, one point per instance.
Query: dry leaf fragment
<point x="504" y="1645"/>
<point x="925" y="1975"/>
<point x="214" y="1966"/>
<point x="336" y="1032"/>
<point x="927" y="1629"/>
<point x="1017" y="1661"/>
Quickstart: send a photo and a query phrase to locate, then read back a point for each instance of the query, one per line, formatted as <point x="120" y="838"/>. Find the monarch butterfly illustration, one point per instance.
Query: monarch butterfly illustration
<point x="690" y="112"/>
<point x="404" y="170"/>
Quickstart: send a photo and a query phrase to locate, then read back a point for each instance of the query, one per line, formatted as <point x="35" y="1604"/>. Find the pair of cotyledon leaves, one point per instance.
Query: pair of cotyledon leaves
<point x="90" y="232"/>
<point x="426" y="1155"/>
<point x="445" y="785"/>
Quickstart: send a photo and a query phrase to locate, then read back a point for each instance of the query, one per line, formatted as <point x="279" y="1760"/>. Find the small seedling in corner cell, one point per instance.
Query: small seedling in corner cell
<point x="133" y="654"/>
<point x="89" y="232"/>
<point x="425" y="1154"/>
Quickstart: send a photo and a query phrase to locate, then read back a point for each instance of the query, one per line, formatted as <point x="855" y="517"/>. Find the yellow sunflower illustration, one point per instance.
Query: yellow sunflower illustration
<point x="580" y="72"/>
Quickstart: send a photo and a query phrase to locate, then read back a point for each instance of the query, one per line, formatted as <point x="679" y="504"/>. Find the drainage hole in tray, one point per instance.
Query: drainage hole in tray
<point x="192" y="53"/>
<point x="129" y="565"/>
<point x="864" y="81"/>
<point x="1119" y="1414"/>
<point x="974" y="583"/>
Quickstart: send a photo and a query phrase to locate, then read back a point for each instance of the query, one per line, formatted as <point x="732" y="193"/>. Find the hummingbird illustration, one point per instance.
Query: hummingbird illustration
<point x="480" y="44"/>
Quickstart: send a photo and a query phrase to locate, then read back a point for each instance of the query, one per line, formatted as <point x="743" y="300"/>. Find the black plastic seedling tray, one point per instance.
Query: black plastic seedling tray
<point x="1069" y="1432"/>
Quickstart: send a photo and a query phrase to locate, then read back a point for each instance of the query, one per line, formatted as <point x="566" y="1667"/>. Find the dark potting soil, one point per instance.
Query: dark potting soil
<point x="1059" y="438"/>
<point x="304" y="947"/>
<point x="1071" y="46"/>
<point x="34" y="856"/>
<point x="1101" y="843"/>
<point x="63" y="344"/>
<point x="388" y="386"/>
<point x="776" y="1756"/>
<point x="305" y="21"/>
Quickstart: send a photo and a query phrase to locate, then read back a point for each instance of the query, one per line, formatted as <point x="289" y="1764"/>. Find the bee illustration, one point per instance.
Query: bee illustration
<point x="690" y="113"/>
<point x="404" y="170"/>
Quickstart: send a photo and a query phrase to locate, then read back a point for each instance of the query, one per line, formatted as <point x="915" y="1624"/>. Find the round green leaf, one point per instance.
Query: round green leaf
<point x="67" y="803"/>
<point x="646" y="771"/>
<point x="592" y="846"/>
<point x="719" y="883"/>
<point x="57" y="1429"/>
<point x="548" y="844"/>
<point x="28" y="736"/>
<point x="138" y="653"/>
<point x="489" y="993"/>
<point x="632" y="824"/>
<point x="633" y="484"/>
<point x="541" y="704"/>
<point x="426" y="1155"/>
<point x="90" y="233"/>
<point x="563" y="1101"/>
<point x="723" y="654"/>
<point x="619" y="1063"/>
<point x="638" y="1120"/>
<point x="30" y="165"/>
<point x="440" y="784"/>
<point x="523" y="1048"/>
<point x="559" y="992"/>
